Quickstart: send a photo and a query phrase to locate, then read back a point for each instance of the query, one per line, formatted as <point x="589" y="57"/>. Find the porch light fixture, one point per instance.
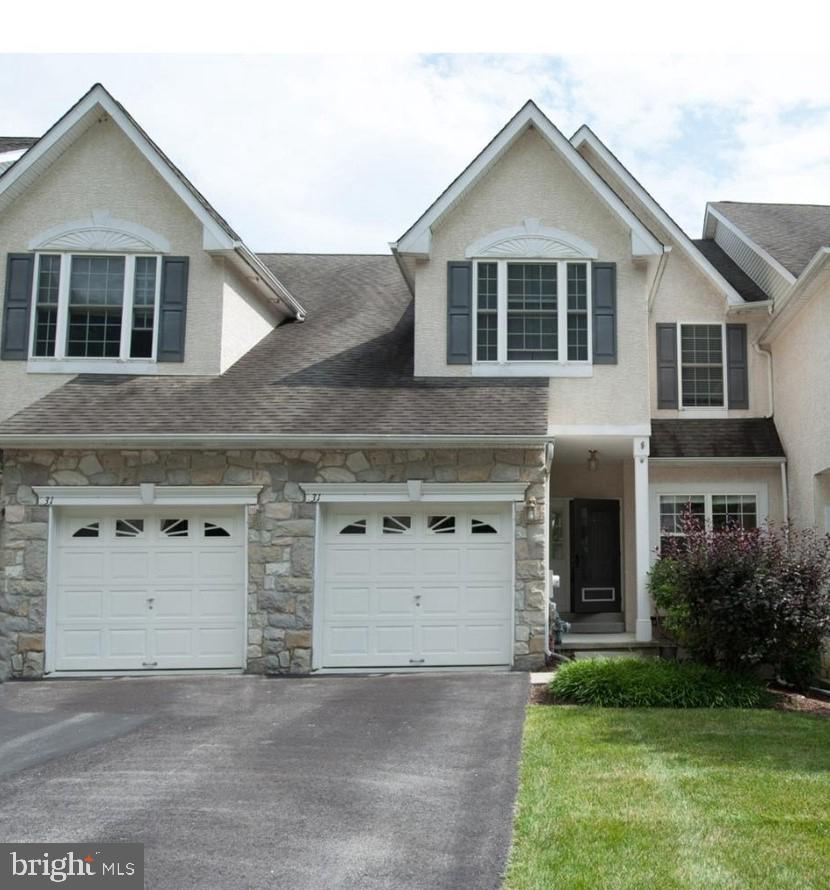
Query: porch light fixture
<point x="593" y="460"/>
<point x="530" y="510"/>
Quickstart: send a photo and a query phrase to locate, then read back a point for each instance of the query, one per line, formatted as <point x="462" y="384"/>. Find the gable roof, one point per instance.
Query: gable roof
<point x="790" y="233"/>
<point x="418" y="237"/>
<point x="741" y="437"/>
<point x="586" y="135"/>
<point x="345" y="373"/>
<point x="218" y="237"/>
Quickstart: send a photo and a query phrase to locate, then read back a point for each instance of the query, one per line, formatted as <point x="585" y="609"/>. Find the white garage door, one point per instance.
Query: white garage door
<point x="142" y="590"/>
<point x="405" y="587"/>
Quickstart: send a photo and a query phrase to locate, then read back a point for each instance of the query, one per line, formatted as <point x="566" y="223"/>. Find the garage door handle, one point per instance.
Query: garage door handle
<point x="417" y="660"/>
<point x="149" y="664"/>
<point x="150" y="601"/>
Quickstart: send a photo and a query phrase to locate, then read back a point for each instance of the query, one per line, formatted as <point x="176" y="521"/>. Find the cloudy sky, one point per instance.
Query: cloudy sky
<point x="342" y="153"/>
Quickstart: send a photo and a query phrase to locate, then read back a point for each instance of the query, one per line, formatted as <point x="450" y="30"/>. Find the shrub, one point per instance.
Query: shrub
<point x="655" y="683"/>
<point x="738" y="599"/>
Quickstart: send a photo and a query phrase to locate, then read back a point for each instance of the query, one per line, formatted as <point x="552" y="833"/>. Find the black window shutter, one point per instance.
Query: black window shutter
<point x="459" y="313"/>
<point x="17" y="307"/>
<point x="173" y="308"/>
<point x="666" y="366"/>
<point x="737" y="366"/>
<point x="604" y="296"/>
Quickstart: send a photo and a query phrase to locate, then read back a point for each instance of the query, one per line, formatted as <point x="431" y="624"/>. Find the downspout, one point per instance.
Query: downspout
<point x="785" y="494"/>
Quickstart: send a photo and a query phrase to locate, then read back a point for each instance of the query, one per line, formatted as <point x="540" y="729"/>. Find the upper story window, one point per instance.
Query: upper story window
<point x="701" y="365"/>
<point x="532" y="311"/>
<point x="95" y="306"/>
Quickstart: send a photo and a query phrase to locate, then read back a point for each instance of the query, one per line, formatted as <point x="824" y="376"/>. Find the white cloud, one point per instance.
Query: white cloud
<point x="342" y="153"/>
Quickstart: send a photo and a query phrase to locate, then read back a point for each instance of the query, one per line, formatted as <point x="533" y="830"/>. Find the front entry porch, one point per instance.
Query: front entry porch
<point x="599" y="540"/>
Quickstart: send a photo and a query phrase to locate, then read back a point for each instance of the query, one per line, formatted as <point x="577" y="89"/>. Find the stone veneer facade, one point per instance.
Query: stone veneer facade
<point x="281" y="528"/>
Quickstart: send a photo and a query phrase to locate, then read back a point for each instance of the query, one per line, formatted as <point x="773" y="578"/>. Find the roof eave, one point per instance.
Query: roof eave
<point x="816" y="272"/>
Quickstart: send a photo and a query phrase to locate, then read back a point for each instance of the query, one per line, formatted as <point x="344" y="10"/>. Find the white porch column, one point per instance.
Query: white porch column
<point x="641" y="538"/>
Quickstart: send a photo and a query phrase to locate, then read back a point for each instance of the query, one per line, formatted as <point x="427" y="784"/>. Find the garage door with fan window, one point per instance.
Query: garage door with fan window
<point x="146" y="590"/>
<point x="416" y="587"/>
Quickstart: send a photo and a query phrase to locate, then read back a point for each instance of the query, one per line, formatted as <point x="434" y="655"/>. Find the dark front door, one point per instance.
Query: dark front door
<point x="595" y="556"/>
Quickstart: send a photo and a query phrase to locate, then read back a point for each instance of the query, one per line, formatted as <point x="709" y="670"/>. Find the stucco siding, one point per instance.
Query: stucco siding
<point x="245" y="321"/>
<point x="686" y="294"/>
<point x="103" y="171"/>
<point x="532" y="181"/>
<point x="801" y="357"/>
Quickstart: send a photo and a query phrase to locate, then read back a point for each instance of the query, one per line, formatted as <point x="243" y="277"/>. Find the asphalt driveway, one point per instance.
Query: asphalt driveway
<point x="338" y="782"/>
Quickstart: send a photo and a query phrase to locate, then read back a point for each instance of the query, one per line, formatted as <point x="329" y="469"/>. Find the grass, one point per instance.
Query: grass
<point x="656" y="683"/>
<point x="716" y="799"/>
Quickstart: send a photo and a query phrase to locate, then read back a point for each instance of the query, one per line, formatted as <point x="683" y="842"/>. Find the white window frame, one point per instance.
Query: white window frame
<point x="61" y="362"/>
<point x="760" y="490"/>
<point x="713" y="410"/>
<point x="561" y="367"/>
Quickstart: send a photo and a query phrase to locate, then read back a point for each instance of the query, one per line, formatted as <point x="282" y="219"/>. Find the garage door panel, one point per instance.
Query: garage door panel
<point x="81" y="605"/>
<point x="440" y="639"/>
<point x="347" y="640"/>
<point x="485" y="639"/>
<point x="394" y="639"/>
<point x="394" y="562"/>
<point x="349" y="602"/>
<point x="485" y="600"/>
<point x="83" y="565"/>
<point x="126" y="642"/>
<point x="81" y="642"/>
<point x="346" y="561"/>
<point x="223" y="564"/>
<point x="214" y="603"/>
<point x="431" y="589"/>
<point x="440" y="561"/>
<point x="396" y="601"/>
<point x="440" y="600"/>
<point x="173" y="564"/>
<point x="127" y="604"/>
<point x="140" y="594"/>
<point x="172" y="603"/>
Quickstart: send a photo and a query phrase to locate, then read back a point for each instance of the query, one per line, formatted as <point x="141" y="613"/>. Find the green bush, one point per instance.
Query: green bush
<point x="654" y="683"/>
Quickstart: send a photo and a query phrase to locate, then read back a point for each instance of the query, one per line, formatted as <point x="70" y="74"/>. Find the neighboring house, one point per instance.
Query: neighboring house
<point x="280" y="463"/>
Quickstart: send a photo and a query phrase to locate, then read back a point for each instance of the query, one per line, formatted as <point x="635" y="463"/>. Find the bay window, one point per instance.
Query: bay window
<point x="95" y="306"/>
<point x="532" y="311"/>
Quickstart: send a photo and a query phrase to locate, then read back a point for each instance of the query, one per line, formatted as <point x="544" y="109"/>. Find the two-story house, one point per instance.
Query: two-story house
<point x="220" y="460"/>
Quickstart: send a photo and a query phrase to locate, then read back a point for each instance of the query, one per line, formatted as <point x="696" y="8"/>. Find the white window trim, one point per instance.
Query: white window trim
<point x="504" y="367"/>
<point x="702" y="411"/>
<point x="759" y="489"/>
<point x="60" y="363"/>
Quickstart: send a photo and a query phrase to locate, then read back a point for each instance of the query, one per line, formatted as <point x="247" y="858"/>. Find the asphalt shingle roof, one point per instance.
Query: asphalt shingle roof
<point x="730" y="270"/>
<point x="15" y="143"/>
<point x="791" y="233"/>
<point x="347" y="369"/>
<point x="732" y="437"/>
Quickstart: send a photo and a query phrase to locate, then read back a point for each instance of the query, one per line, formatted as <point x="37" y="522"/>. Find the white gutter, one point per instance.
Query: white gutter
<point x="696" y="461"/>
<point x="260" y="269"/>
<point x="236" y="440"/>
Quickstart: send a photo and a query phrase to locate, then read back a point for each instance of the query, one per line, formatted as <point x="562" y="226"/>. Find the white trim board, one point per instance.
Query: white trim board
<point x="414" y="491"/>
<point x="417" y="240"/>
<point x="586" y="134"/>
<point x="145" y="494"/>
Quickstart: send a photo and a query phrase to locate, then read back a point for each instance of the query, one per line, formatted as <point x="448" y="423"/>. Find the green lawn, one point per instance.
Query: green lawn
<point x="613" y="799"/>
